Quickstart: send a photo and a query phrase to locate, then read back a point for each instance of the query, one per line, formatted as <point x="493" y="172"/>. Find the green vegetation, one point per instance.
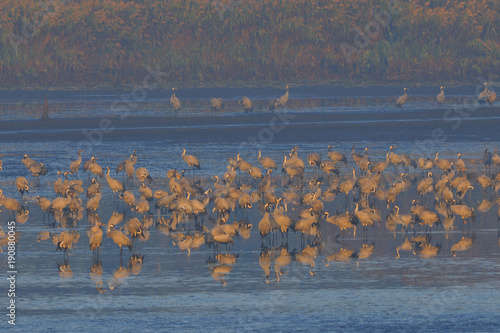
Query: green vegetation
<point x="89" y="42"/>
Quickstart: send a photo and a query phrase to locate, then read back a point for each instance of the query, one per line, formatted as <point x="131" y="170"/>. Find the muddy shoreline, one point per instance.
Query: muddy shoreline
<point x="464" y="125"/>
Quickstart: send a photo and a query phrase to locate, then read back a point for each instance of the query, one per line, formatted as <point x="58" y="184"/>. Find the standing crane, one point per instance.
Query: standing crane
<point x="75" y="165"/>
<point x="283" y="99"/>
<point x="176" y="103"/>
<point x="217" y="104"/>
<point x="402" y="99"/>
<point x="190" y="160"/>
<point x="440" y="96"/>
<point x="247" y="104"/>
<point x="115" y="185"/>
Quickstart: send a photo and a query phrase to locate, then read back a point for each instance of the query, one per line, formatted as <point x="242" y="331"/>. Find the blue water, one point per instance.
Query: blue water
<point x="177" y="291"/>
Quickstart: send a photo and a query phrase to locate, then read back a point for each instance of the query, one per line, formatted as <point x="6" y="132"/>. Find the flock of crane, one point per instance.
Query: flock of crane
<point x="217" y="104"/>
<point x="485" y="96"/>
<point x="352" y="193"/>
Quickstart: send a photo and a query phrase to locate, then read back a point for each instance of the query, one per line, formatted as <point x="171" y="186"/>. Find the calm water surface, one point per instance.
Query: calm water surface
<point x="176" y="291"/>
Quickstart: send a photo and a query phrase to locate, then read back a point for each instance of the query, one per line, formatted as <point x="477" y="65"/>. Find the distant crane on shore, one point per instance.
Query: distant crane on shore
<point x="279" y="102"/>
<point x="283" y="99"/>
<point x="487" y="96"/>
<point x="440" y="96"/>
<point x="247" y="104"/>
<point x="402" y="99"/>
<point x="217" y="104"/>
<point x="176" y="103"/>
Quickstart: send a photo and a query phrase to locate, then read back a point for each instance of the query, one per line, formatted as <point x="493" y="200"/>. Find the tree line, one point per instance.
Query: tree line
<point x="110" y="42"/>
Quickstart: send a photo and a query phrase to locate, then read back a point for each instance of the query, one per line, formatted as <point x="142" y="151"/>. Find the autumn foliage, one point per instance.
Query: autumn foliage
<point x="85" y="42"/>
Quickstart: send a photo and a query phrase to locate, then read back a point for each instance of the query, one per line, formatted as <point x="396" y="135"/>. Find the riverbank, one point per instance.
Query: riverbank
<point x="333" y="83"/>
<point x="439" y="125"/>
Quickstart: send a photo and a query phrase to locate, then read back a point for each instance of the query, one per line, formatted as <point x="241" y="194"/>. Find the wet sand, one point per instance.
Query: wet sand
<point x="480" y="124"/>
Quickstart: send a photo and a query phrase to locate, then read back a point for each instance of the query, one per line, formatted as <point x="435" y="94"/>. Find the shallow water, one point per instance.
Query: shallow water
<point x="195" y="101"/>
<point x="177" y="291"/>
